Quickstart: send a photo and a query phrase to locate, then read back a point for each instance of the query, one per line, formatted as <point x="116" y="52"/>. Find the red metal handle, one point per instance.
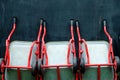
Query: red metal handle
<point x="106" y="32"/>
<point x="13" y="29"/>
<point x="110" y="41"/>
<point x="8" y="40"/>
<point x="40" y="30"/>
<point x="72" y="33"/>
<point x="44" y="33"/>
<point x="78" y="31"/>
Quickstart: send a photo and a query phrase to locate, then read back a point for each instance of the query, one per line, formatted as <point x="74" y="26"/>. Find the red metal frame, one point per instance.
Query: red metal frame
<point x="110" y="54"/>
<point x="6" y="62"/>
<point x="44" y="53"/>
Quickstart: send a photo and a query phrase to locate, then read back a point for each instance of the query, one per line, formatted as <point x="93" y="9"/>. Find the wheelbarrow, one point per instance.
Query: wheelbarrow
<point x="58" y="59"/>
<point x="97" y="60"/>
<point x="20" y="58"/>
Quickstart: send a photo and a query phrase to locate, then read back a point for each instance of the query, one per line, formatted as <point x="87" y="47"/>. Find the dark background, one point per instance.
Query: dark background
<point x="57" y="13"/>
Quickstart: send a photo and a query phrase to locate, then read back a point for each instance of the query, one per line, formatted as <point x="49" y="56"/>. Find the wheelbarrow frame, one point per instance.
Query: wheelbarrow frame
<point x="110" y="53"/>
<point x="44" y="53"/>
<point x="6" y="61"/>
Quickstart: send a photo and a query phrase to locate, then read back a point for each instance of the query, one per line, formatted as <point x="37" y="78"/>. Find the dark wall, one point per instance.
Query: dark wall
<point x="57" y="13"/>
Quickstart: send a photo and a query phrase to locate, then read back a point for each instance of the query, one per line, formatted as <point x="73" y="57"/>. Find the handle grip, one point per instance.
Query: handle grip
<point x="104" y="22"/>
<point x="44" y="23"/>
<point x="77" y="23"/>
<point x="41" y="21"/>
<point x="71" y="22"/>
<point x="14" y="20"/>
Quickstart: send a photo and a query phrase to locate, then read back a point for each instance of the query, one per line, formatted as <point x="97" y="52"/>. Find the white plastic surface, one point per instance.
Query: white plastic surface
<point x="57" y="55"/>
<point x="19" y="53"/>
<point x="98" y="52"/>
<point x="57" y="52"/>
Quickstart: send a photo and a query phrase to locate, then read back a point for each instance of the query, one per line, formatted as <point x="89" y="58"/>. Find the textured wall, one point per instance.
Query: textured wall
<point x="57" y="14"/>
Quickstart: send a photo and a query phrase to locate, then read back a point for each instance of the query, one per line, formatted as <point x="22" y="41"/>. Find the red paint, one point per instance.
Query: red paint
<point x="99" y="73"/>
<point x="19" y="75"/>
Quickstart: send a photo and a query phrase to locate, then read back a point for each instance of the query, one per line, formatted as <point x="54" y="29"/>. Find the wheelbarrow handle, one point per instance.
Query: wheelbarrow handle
<point x="77" y="23"/>
<point x="41" y="21"/>
<point x="14" y="20"/>
<point x="44" y="23"/>
<point x="71" y="22"/>
<point x="104" y="22"/>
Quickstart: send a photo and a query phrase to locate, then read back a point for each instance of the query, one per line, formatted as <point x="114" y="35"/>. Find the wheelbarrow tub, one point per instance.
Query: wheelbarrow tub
<point x="57" y="55"/>
<point x="19" y="53"/>
<point x="98" y="53"/>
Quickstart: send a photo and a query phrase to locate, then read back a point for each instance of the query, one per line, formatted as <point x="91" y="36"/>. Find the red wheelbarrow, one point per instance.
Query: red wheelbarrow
<point x="20" y="58"/>
<point x="58" y="59"/>
<point x="97" y="60"/>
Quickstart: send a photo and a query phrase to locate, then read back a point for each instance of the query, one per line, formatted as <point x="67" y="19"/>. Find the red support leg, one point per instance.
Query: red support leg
<point x="36" y="77"/>
<point x="99" y="72"/>
<point x="41" y="78"/>
<point x="76" y="77"/>
<point x="58" y="73"/>
<point x="80" y="76"/>
<point x="19" y="75"/>
<point x="3" y="77"/>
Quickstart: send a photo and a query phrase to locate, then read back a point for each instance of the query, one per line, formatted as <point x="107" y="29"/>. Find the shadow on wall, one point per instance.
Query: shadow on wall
<point x="116" y="37"/>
